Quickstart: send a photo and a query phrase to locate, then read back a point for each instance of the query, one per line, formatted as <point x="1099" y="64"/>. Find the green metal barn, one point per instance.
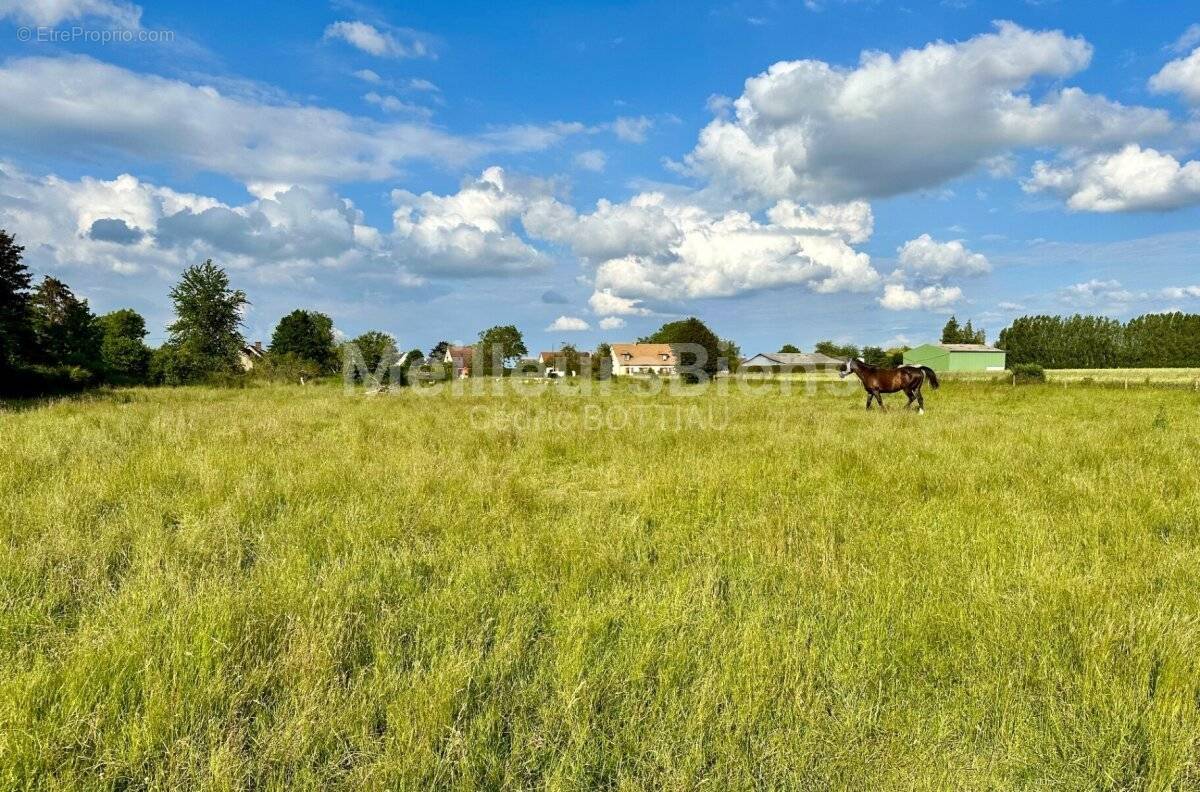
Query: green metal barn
<point x="956" y="357"/>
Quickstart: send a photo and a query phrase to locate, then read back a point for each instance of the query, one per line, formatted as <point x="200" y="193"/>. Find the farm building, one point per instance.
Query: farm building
<point x="643" y="359"/>
<point x="250" y="355"/>
<point x="460" y="357"/>
<point x="791" y="361"/>
<point x="956" y="357"/>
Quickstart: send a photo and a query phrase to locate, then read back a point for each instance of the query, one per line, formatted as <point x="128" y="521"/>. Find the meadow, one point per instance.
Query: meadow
<point x="285" y="587"/>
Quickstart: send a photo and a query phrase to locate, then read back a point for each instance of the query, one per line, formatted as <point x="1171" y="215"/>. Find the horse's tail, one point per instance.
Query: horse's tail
<point x="933" y="380"/>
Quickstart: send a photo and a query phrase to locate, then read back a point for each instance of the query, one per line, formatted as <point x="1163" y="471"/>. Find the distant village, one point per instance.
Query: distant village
<point x="663" y="359"/>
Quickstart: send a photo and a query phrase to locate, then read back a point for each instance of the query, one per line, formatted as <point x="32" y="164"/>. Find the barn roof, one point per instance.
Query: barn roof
<point x="805" y="359"/>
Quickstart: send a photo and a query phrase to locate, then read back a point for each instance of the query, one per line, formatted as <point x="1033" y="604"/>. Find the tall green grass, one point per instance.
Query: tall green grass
<point x="295" y="588"/>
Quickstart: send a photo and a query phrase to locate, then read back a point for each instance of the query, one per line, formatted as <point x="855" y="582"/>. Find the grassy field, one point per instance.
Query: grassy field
<point x="296" y="588"/>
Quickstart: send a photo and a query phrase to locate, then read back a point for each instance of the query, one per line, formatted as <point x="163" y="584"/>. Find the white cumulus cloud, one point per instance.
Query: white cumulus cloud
<point x="568" y="324"/>
<point x="897" y="297"/>
<point x="126" y="225"/>
<point x="604" y="301"/>
<point x="816" y="132"/>
<point x="1132" y="179"/>
<point x="471" y="232"/>
<point x="1180" y="76"/>
<point x="612" y="323"/>
<point x="657" y="248"/>
<point x="926" y="258"/>
<point x="852" y="221"/>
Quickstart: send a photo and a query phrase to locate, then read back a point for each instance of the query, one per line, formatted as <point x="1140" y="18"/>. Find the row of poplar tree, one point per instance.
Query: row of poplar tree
<point x="1163" y="340"/>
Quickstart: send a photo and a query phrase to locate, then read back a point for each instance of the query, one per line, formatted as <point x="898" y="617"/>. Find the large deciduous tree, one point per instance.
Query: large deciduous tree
<point x="124" y="353"/>
<point x="569" y="360"/>
<point x="308" y="337"/>
<point x="875" y="356"/>
<point x="376" y="351"/>
<point x="503" y="344"/>
<point x="205" y="337"/>
<point x="683" y="336"/>
<point x="835" y="350"/>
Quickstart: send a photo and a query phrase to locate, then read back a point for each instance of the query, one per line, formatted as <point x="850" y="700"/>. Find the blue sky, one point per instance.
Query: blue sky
<point x="787" y="171"/>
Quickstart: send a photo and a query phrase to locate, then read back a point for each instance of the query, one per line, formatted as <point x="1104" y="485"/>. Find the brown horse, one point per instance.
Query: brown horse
<point x="884" y="380"/>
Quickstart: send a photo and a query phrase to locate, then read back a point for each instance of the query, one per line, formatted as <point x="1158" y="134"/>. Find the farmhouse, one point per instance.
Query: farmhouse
<point x="956" y="357"/>
<point x="460" y="356"/>
<point x="791" y="361"/>
<point x="250" y="355"/>
<point x="643" y="359"/>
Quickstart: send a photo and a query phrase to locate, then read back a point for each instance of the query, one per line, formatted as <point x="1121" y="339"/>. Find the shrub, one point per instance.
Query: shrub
<point x="1028" y="372"/>
<point x="287" y="367"/>
<point x="123" y="351"/>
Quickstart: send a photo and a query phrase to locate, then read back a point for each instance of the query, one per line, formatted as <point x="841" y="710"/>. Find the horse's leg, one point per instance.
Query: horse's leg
<point x="911" y="394"/>
<point x="879" y="398"/>
<point x="870" y="397"/>
<point x="920" y="402"/>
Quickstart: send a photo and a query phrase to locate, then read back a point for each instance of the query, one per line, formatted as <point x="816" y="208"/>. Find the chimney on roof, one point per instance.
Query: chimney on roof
<point x="258" y="346"/>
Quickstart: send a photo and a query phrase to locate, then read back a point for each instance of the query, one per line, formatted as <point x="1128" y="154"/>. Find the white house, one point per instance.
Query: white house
<point x="460" y="356"/>
<point x="643" y="359"/>
<point x="250" y="355"/>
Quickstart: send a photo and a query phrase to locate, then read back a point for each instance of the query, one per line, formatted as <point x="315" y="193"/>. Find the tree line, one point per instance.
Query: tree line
<point x="51" y="341"/>
<point x="1165" y="340"/>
